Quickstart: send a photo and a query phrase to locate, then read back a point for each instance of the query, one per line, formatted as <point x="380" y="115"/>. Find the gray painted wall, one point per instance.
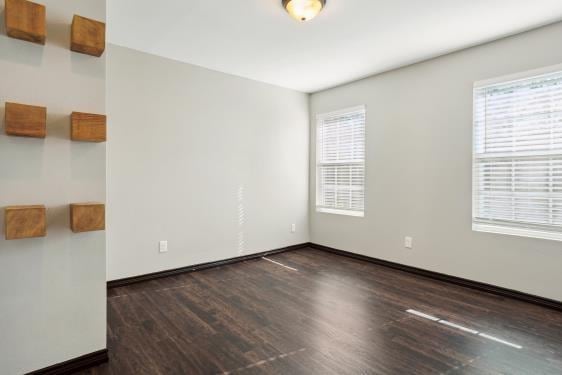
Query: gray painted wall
<point x="215" y="164"/>
<point x="419" y="166"/>
<point x="52" y="304"/>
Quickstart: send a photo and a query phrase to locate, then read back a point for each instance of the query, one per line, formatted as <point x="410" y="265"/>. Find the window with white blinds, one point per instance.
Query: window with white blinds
<point x="340" y="162"/>
<point x="517" y="166"/>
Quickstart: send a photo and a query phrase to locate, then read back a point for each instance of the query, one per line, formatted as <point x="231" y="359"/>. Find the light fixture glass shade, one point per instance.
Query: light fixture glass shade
<point x="303" y="10"/>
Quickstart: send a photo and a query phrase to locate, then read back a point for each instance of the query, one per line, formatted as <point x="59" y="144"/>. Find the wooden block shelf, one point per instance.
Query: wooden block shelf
<point x="25" y="222"/>
<point x="25" y="20"/>
<point x="87" y="217"/>
<point x="88" y="127"/>
<point x="87" y="36"/>
<point x="26" y="120"/>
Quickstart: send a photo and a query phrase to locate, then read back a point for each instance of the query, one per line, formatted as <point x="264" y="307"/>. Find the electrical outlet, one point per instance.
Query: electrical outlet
<point x="408" y="242"/>
<point x="293" y="228"/>
<point x="163" y="248"/>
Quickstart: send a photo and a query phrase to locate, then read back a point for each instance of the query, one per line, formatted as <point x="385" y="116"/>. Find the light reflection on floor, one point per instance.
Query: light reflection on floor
<point x="462" y="328"/>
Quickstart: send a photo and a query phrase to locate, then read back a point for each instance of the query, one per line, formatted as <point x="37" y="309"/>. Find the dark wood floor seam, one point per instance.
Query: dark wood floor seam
<point x="76" y="364"/>
<point x="493" y="289"/>
<point x="199" y="267"/>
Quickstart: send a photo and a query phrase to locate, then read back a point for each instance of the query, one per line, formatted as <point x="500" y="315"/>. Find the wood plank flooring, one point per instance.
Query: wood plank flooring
<point x="333" y="315"/>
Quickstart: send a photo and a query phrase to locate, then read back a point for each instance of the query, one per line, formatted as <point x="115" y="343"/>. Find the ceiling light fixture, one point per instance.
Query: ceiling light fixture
<point x="303" y="10"/>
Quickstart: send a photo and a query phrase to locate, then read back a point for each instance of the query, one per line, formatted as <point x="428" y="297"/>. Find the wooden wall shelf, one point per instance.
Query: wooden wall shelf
<point x="25" y="222"/>
<point x="26" y="120"/>
<point x="87" y="36"/>
<point x="88" y="127"/>
<point x="25" y="20"/>
<point x="87" y="217"/>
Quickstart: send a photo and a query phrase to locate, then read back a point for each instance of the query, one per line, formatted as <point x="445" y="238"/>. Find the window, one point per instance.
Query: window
<point x="340" y="162"/>
<point x="517" y="165"/>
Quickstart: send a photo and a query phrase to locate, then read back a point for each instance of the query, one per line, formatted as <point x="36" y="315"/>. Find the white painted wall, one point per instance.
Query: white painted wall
<point x="419" y="150"/>
<point x="215" y="164"/>
<point x="52" y="289"/>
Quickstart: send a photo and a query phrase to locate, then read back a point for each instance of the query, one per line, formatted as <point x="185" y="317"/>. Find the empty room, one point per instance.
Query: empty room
<point x="280" y="187"/>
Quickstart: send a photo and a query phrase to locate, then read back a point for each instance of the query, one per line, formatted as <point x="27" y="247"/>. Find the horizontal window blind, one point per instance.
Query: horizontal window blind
<point x="517" y="176"/>
<point x="341" y="161"/>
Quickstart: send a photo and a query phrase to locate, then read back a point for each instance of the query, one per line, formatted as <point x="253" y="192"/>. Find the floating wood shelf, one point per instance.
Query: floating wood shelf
<point x="87" y="217"/>
<point x="26" y="120"/>
<point x="88" y="127"/>
<point x="25" y="20"/>
<point x="25" y="222"/>
<point x="87" y="36"/>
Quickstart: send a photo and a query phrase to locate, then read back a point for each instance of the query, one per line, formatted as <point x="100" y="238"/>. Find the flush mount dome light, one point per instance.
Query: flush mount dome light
<point x="303" y="10"/>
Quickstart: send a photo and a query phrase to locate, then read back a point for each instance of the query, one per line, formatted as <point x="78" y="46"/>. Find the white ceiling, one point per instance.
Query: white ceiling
<point x="349" y="40"/>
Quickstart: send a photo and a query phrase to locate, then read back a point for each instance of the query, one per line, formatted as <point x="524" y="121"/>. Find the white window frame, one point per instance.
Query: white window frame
<point x="506" y="229"/>
<point x="336" y="211"/>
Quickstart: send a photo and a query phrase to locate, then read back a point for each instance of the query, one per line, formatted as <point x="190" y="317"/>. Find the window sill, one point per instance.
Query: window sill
<point x="340" y="212"/>
<point x="510" y="231"/>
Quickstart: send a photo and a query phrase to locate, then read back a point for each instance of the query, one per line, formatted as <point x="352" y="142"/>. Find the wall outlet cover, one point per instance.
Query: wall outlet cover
<point x="163" y="248"/>
<point x="408" y="242"/>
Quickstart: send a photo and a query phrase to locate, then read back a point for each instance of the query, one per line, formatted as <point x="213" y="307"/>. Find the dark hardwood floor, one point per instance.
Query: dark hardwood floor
<point x="334" y="315"/>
